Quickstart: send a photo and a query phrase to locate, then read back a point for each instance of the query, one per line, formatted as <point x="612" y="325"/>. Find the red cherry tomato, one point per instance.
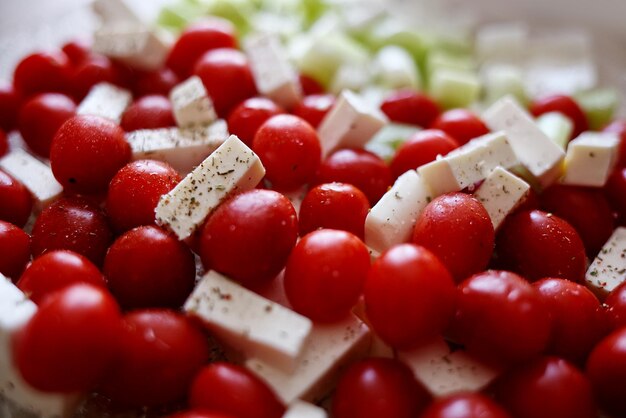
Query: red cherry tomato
<point x="250" y="236"/>
<point x="290" y="151"/>
<point x="42" y="72"/>
<point x="460" y="124"/>
<point x="148" y="112"/>
<point x="379" y="387"/>
<point x="606" y="369"/>
<point x="458" y="230"/>
<point x="310" y="85"/>
<point x="77" y="50"/>
<point x="41" y="117"/>
<point x="409" y="296"/>
<point x="197" y="413"/>
<point x="135" y="191"/>
<point x="159" y="82"/>
<point x="10" y="102"/>
<point x="96" y="69"/>
<point x="246" y="119"/>
<point x="619" y="127"/>
<point x="615" y="191"/>
<point x="537" y="244"/>
<point x="14" y="250"/>
<point x="565" y="105"/>
<point x="86" y="153"/>
<point x="615" y="304"/>
<point x="421" y="148"/>
<point x="233" y="390"/>
<point x="147" y="267"/>
<point x="4" y="143"/>
<point x="465" y="405"/>
<point x="313" y="108"/>
<point x="16" y="202"/>
<point x="336" y="206"/>
<point x="362" y="169"/>
<point x="160" y="353"/>
<point x="411" y="107"/>
<point x="500" y="316"/>
<point x="71" y="341"/>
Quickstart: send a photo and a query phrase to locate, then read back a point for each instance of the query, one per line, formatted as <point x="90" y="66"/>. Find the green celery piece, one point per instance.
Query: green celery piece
<point x="503" y="80"/>
<point x="237" y="11"/>
<point x="178" y="15"/>
<point x="557" y="127"/>
<point x="387" y="140"/>
<point x="390" y="32"/>
<point x="454" y="88"/>
<point x="438" y="59"/>
<point x="599" y="105"/>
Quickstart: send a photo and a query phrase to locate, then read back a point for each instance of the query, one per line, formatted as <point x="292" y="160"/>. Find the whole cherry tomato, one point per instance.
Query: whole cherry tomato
<point x="421" y="148"/>
<point x="460" y="124"/>
<point x="411" y="107"/>
<point x="313" y="108"/>
<point x="14" y="250"/>
<point x="159" y="82"/>
<point x="606" y="369"/>
<point x="246" y="119"/>
<point x="42" y="72"/>
<point x="148" y="112"/>
<point x="16" y="202"/>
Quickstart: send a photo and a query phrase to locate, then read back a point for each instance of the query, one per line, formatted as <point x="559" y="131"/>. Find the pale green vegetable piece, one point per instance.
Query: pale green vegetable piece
<point x="501" y="80"/>
<point x="599" y="105"/>
<point x="389" y="138"/>
<point x="557" y="126"/>
<point x="454" y="88"/>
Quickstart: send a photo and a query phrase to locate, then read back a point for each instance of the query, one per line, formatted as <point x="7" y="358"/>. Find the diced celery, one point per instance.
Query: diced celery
<point x="237" y="11"/>
<point x="389" y="138"/>
<point x="391" y="32"/>
<point x="440" y="59"/>
<point x="599" y="105"/>
<point x="395" y="68"/>
<point x="557" y="126"/>
<point x="502" y="79"/>
<point x="285" y="26"/>
<point x="453" y="88"/>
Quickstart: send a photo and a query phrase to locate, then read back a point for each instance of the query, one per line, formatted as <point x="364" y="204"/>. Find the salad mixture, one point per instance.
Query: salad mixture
<point x="302" y="209"/>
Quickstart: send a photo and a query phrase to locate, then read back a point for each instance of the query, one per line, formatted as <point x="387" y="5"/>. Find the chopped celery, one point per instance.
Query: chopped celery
<point x="557" y="126"/>
<point x="454" y="88"/>
<point x="502" y="79"/>
<point x="395" y="68"/>
<point x="599" y="105"/>
<point x="237" y="11"/>
<point x="440" y="59"/>
<point x="177" y="16"/>
<point x="389" y="138"/>
<point x="391" y="32"/>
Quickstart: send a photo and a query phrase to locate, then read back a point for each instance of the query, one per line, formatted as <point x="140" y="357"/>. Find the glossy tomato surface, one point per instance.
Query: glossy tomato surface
<point x="14" y="250"/>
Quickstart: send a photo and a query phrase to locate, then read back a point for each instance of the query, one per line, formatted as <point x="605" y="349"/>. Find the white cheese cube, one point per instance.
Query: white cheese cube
<point x="183" y="149"/>
<point x="608" y="270"/>
<point x="395" y="68"/>
<point x="591" y="158"/>
<point x="133" y="44"/>
<point x="233" y="167"/>
<point x="557" y="127"/>
<point x="533" y="148"/>
<point x="274" y="75"/>
<point x="392" y="219"/>
<point x="107" y="101"/>
<point x="248" y="322"/>
<point x="300" y="409"/>
<point x="500" y="194"/>
<point x="329" y="349"/>
<point x="36" y="176"/>
<point x="191" y="104"/>
<point x="351" y="123"/>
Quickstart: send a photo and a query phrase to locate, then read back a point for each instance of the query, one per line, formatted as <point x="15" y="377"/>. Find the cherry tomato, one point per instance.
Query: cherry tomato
<point x="148" y="112"/>
<point x="615" y="191"/>
<point x="159" y="82"/>
<point x="465" y="405"/>
<point x="460" y="124"/>
<point x="501" y="317"/>
<point x="606" y="369"/>
<point x="135" y="190"/>
<point x="71" y="341"/>
<point x="10" y="102"/>
<point x="4" y="143"/>
<point x="234" y="390"/>
<point x="457" y="229"/>
<point x="41" y="117"/>
<point x="246" y="119"/>
<point x="290" y="151"/>
<point x="310" y="85"/>
<point x="362" y="169"/>
<point x="411" y="107"/>
<point x="197" y="413"/>
<point x="537" y="244"/>
<point x="42" y="72"/>
<point x="250" y="236"/>
<point x="16" y="202"/>
<point x="14" y="250"/>
<point x="409" y="296"/>
<point x="86" y="153"/>
<point x="160" y="353"/>
<point x="615" y="304"/>
<point x="619" y="127"/>
<point x="313" y="108"/>
<point x="96" y="69"/>
<point x="565" y="105"/>
<point x="421" y="148"/>
<point x="379" y="387"/>
<point x="336" y="206"/>
<point x="77" y="50"/>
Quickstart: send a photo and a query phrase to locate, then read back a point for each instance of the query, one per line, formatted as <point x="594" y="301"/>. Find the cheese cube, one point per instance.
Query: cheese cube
<point x="351" y="123"/>
<point x="392" y="219"/>
<point x="191" y="104"/>
<point x="301" y="409"/>
<point x="533" y="148"/>
<point x="233" y="167"/>
<point x="249" y="323"/>
<point x="591" y="158"/>
<point x="274" y="75"/>
<point x="608" y="270"/>
<point x="107" y="101"/>
<point x="500" y="193"/>
<point x="329" y="349"/>
<point x="34" y="175"/>
<point x="133" y="44"/>
<point x="395" y="68"/>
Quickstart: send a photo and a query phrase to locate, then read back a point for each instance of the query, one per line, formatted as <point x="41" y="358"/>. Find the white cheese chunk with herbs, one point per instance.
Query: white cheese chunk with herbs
<point x="183" y="149"/>
<point x="537" y="153"/>
<point x="392" y="219"/>
<point x="107" y="101"/>
<point x="249" y="323"/>
<point x="136" y="45"/>
<point x="329" y="349"/>
<point x="608" y="269"/>
<point x="500" y="194"/>
<point x="36" y="176"/>
<point x="191" y="104"/>
<point x="557" y="127"/>
<point x="351" y="123"/>
<point x="231" y="168"/>
<point x="395" y="68"/>
<point x="591" y="158"/>
<point x="300" y="409"/>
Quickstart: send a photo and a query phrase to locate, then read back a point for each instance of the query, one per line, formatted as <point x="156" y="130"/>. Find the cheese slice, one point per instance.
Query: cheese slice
<point x="608" y="269"/>
<point x="248" y="322"/>
<point x="300" y="409"/>
<point x="191" y="104"/>
<point x="233" y="167"/>
<point x="591" y="158"/>
<point x="107" y="101"/>
<point x="500" y="194"/>
<point x="134" y="44"/>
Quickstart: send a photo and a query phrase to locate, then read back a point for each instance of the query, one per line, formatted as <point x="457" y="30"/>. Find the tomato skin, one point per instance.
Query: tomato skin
<point x="71" y="341"/>
<point x="458" y="230"/>
<point x="564" y="105"/>
<point x="615" y="304"/>
<point x="619" y="127"/>
<point x="606" y="369"/>
<point x="246" y="119"/>
<point x="378" y="387"/>
<point x="409" y="296"/>
<point x="461" y="124"/>
<point x="615" y="191"/>
<point x="314" y="108"/>
<point x="233" y="390"/>
<point x="148" y="112"/>
<point x="77" y="50"/>
<point x="159" y="82"/>
<point x="421" y="148"/>
<point x="465" y="405"/>
<point x="411" y="107"/>
<point x="10" y="102"/>
<point x="16" y="202"/>
<point x="14" y="250"/>
<point x="197" y="413"/>
<point x="96" y="69"/>
<point x="250" y="236"/>
<point x="310" y="85"/>
<point x="4" y="143"/>
<point x="42" y="72"/>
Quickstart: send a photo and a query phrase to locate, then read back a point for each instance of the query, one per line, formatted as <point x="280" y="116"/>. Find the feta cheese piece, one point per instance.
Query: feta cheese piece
<point x="248" y="322"/>
<point x="274" y="75"/>
<point x="591" y="158"/>
<point x="608" y="270"/>
<point x="233" y="167"/>
<point x="392" y="219"/>
<point x="329" y="348"/>
<point x="300" y="409"/>
<point x="395" y="68"/>
<point x="107" y="101"/>
<point x="533" y="148"/>
<point x="350" y="123"/>
<point x="183" y="149"/>
<point x="191" y="104"/>
<point x="36" y="176"/>
<point x="500" y="194"/>
<point x="133" y="44"/>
